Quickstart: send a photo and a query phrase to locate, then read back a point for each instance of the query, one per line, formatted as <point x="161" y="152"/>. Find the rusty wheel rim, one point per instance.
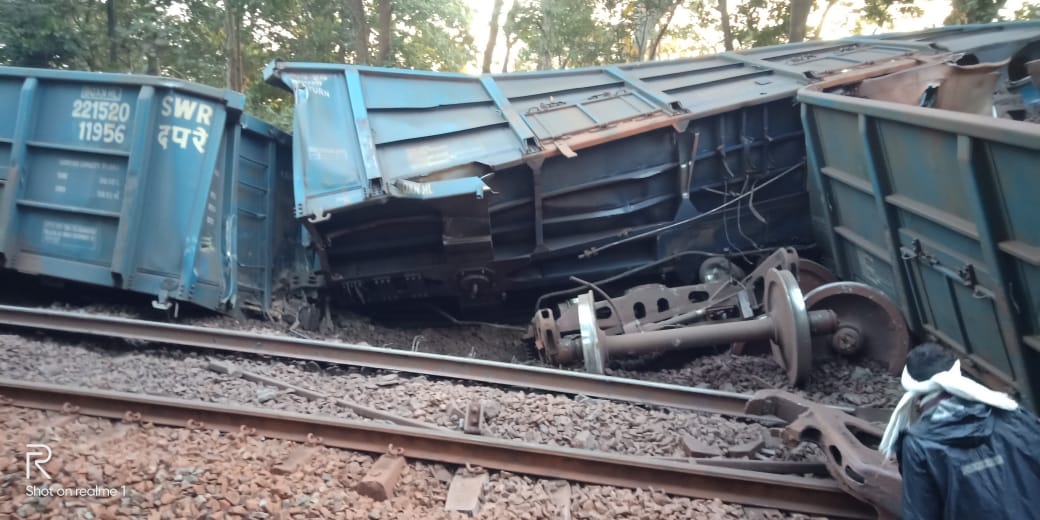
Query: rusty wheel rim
<point x="792" y="339"/>
<point x="872" y="325"/>
<point x="812" y="275"/>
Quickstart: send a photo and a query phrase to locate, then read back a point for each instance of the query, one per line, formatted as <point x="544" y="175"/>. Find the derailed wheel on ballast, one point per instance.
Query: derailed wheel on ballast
<point x="870" y="325"/>
<point x="792" y="339"/>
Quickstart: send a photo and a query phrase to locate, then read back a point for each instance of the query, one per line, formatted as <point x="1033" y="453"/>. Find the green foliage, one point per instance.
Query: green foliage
<point x="432" y="35"/>
<point x="974" y="11"/>
<point x="1028" y="11"/>
<point x="200" y="40"/>
<point x="38" y="34"/>
<point x="760" y="22"/>
<point x="560" y="34"/>
<point x="879" y="12"/>
<point x="189" y="39"/>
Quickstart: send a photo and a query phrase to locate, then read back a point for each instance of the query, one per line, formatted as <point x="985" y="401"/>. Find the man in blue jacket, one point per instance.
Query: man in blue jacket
<point x="964" y="451"/>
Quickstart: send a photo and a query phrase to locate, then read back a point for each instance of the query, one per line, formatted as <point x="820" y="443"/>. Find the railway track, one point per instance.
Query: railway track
<point x="791" y="493"/>
<point x="537" y="378"/>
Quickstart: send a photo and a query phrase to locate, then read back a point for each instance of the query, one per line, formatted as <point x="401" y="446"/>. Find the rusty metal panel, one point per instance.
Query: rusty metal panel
<point x="936" y="208"/>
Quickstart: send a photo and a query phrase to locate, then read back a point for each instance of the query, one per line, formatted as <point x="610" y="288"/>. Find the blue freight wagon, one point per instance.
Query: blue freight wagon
<point x="144" y="184"/>
<point x="937" y="206"/>
<point x="421" y="184"/>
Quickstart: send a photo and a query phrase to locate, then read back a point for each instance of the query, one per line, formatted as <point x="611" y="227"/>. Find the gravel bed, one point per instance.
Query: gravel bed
<point x="205" y="474"/>
<point x="481" y="342"/>
<point x="836" y="381"/>
<point x="532" y="417"/>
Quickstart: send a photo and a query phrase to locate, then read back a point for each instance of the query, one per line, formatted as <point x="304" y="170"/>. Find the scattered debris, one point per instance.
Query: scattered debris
<point x="387" y="380"/>
<point x="381" y="478"/>
<point x="560" y="493"/>
<point x="295" y="460"/>
<point x="746" y="449"/>
<point x="758" y="513"/>
<point x="362" y="410"/>
<point x="465" y="490"/>
<point x="693" y="447"/>
<point x="441" y="473"/>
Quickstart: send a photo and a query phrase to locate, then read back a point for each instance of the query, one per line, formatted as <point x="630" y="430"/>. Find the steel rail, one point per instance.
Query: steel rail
<point x="492" y="372"/>
<point x="806" y="495"/>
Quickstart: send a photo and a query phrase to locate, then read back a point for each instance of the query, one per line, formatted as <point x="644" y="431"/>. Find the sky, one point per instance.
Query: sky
<point x="840" y="22"/>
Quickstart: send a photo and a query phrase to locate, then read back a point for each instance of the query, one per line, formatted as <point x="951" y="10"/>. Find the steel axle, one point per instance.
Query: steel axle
<point x="787" y="325"/>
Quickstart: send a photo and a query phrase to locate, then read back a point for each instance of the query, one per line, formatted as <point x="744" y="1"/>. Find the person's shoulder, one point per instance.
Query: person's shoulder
<point x="1020" y="418"/>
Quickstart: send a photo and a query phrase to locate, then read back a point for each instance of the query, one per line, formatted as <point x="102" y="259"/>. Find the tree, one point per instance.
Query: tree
<point x="561" y="34"/>
<point x="641" y="26"/>
<point x="520" y="17"/>
<point x="727" y="30"/>
<point x="489" y="50"/>
<point x="663" y="29"/>
<point x="233" y="46"/>
<point x="878" y="12"/>
<point x="823" y="18"/>
<point x="798" y="19"/>
<point x="40" y="34"/>
<point x="761" y="22"/>
<point x="113" y="46"/>
<point x="1028" y="11"/>
<point x="356" y="16"/>
<point x="386" y="35"/>
<point x="974" y="11"/>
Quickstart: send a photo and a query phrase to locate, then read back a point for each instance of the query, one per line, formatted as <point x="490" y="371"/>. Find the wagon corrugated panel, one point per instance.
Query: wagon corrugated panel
<point x="938" y="209"/>
<point x="428" y="184"/>
<point x="140" y="183"/>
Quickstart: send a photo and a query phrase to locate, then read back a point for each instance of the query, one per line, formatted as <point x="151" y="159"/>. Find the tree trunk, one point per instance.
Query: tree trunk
<point x="640" y="32"/>
<point x="385" y="31"/>
<point x="510" y="41"/>
<point x="663" y="31"/>
<point x="545" y="34"/>
<point x="799" y="17"/>
<point x="727" y="31"/>
<point x="113" y="49"/>
<point x="154" y="65"/>
<point x="233" y="48"/>
<point x="489" y="51"/>
<point x="356" y="8"/>
<point x="823" y="18"/>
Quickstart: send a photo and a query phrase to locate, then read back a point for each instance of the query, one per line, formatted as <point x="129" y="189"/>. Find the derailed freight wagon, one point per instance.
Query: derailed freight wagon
<point x="936" y="204"/>
<point x="421" y="184"/>
<point x="144" y="184"/>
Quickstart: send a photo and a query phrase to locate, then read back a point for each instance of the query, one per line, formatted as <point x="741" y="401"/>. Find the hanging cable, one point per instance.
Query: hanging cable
<point x="595" y="250"/>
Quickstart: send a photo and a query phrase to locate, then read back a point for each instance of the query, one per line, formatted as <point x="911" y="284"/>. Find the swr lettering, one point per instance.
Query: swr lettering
<point x="187" y="109"/>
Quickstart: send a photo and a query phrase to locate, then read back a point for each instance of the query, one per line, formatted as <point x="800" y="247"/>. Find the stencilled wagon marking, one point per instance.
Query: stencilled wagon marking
<point x="107" y="187"/>
<point x="189" y="110"/>
<point x="61" y="233"/>
<point x="102" y="115"/>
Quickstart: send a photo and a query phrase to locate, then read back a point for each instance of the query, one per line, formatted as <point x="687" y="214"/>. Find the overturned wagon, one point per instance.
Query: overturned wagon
<point x="145" y="184"/>
<point x="936" y="204"/>
<point x="421" y="184"/>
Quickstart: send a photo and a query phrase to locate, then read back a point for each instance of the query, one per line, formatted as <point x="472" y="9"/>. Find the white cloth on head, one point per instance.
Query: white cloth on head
<point x="953" y="383"/>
